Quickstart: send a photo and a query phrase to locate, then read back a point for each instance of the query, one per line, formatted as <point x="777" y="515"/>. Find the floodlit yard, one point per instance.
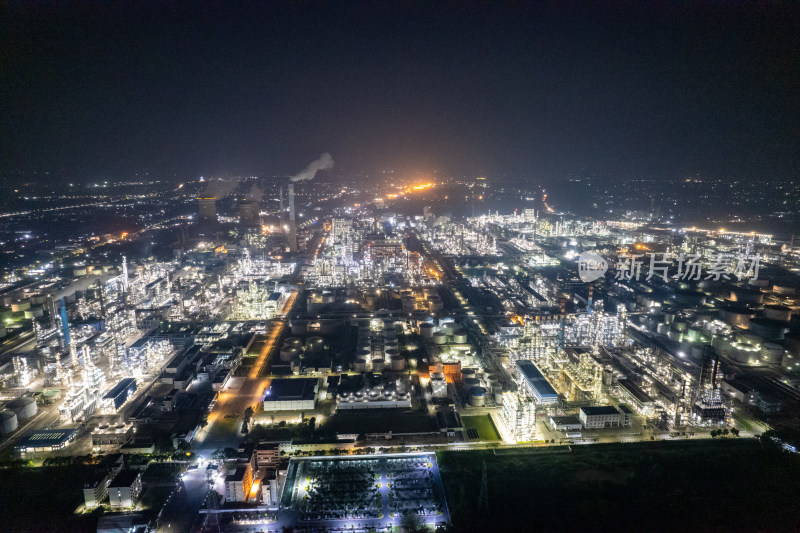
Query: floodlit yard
<point x="483" y="425"/>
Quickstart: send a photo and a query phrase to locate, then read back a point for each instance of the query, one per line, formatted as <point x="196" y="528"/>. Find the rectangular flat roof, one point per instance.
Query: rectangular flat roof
<point x="125" y="478"/>
<point x="536" y="380"/>
<point x="44" y="438"/>
<point x="600" y="410"/>
<point x="119" y="387"/>
<point x="634" y="389"/>
<point x="285" y="389"/>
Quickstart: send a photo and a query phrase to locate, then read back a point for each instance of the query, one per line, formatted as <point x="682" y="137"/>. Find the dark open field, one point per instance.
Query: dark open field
<point x="729" y="485"/>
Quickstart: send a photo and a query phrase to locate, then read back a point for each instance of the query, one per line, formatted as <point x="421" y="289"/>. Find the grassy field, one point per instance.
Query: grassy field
<point x="483" y="424"/>
<point x="719" y="485"/>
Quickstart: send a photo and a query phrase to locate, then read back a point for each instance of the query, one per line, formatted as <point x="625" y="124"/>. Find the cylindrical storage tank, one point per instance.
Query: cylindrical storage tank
<point x="471" y="382"/>
<point x="477" y="396"/>
<point x="8" y="421"/>
<point x="392" y="343"/>
<point x="468" y="372"/>
<point x="364" y="353"/>
<point x="378" y="365"/>
<point x="299" y="327"/>
<point x="439" y="338"/>
<point x="674" y="335"/>
<point x="288" y="353"/>
<point x="459" y="336"/>
<point x="777" y="312"/>
<point x="315" y="344"/>
<point x="397" y="362"/>
<point x="497" y="392"/>
<point x="360" y="365"/>
<point x="721" y="344"/>
<point x="426" y="329"/>
<point x="293" y="342"/>
<point x="735" y="317"/>
<point x="744" y="353"/>
<point x="771" y="353"/>
<point x="24" y="407"/>
<point x="769" y="329"/>
<point x="435" y="304"/>
<point x="391" y="352"/>
<point x="51" y="395"/>
<point x="448" y="329"/>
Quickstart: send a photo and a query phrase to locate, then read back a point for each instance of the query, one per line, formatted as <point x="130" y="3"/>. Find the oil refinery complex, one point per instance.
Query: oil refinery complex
<point x="291" y="321"/>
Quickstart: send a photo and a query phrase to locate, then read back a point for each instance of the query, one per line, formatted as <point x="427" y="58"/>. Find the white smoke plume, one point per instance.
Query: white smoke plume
<point x="324" y="162"/>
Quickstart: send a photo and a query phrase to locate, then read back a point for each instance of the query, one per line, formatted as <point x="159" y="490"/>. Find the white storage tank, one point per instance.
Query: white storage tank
<point x="771" y="353"/>
<point x="778" y="312"/>
<point x="360" y="365"/>
<point x="448" y="329"/>
<point x="397" y="362"/>
<point x="315" y="344"/>
<point x="378" y="365"/>
<point x="439" y="338"/>
<point x="477" y="396"/>
<point x="435" y="303"/>
<point x="459" y="336"/>
<point x="24" y="407"/>
<point x="426" y="329"/>
<point x="744" y="353"/>
<point x="497" y="393"/>
<point x="8" y="421"/>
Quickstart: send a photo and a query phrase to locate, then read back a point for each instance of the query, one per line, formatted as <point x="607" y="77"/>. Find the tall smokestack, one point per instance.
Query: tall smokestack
<point x="292" y="223"/>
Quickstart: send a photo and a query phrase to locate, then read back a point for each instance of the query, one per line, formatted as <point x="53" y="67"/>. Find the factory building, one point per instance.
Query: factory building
<point x="291" y="394"/>
<point x="47" y="440"/>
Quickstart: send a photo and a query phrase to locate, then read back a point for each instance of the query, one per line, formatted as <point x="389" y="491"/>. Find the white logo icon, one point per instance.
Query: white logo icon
<point x="591" y="267"/>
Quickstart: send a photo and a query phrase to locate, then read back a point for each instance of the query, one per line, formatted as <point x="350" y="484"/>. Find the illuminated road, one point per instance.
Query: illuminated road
<point x="225" y="421"/>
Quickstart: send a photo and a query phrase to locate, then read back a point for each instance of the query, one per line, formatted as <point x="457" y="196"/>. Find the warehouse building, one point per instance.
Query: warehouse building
<point x="286" y="394"/>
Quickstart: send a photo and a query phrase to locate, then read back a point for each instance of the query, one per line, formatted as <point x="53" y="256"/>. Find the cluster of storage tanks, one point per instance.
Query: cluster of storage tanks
<point x="15" y="411"/>
<point x="293" y="347"/>
<point x="378" y="349"/>
<point x="429" y="295"/>
<point x="759" y="345"/>
<point x="446" y="332"/>
<point x="477" y="385"/>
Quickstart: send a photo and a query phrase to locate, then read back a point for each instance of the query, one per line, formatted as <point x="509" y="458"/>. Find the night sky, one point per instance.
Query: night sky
<point x="529" y="91"/>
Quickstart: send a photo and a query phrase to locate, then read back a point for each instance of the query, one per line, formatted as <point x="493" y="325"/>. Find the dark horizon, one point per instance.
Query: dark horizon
<point x="538" y="92"/>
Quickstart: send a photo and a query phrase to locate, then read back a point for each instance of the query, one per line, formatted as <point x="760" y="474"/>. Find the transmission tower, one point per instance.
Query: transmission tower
<point x="212" y="511"/>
